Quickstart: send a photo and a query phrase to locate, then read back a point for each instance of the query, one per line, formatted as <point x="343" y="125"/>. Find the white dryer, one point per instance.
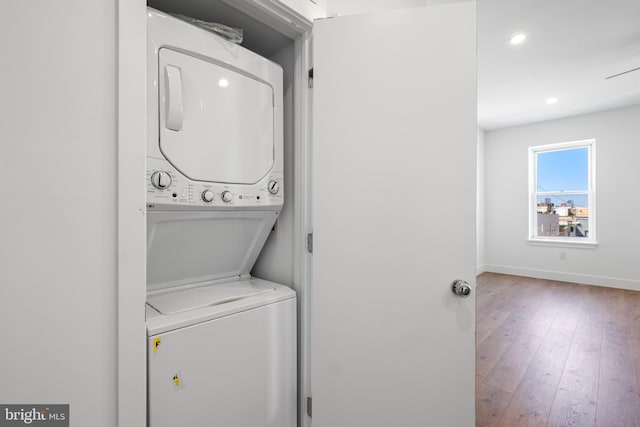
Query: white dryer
<point x="221" y="344"/>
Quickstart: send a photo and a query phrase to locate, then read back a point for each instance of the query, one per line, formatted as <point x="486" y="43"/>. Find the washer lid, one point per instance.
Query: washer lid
<point x="252" y="293"/>
<point x="189" y="247"/>
<point x="206" y="296"/>
<point x="216" y="122"/>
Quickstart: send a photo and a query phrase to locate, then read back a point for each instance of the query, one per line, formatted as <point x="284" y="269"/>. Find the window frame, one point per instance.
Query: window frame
<point x="590" y="240"/>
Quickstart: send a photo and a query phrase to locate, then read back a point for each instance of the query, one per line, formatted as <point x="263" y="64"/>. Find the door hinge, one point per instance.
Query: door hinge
<point x="310" y="76"/>
<point x="310" y="243"/>
<point x="309" y="406"/>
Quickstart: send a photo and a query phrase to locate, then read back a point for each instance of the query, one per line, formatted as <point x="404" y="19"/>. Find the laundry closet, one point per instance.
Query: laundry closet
<point x="378" y="136"/>
<point x="222" y="343"/>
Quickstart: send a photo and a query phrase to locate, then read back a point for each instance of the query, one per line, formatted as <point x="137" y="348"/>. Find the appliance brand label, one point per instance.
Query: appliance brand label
<point x="34" y="415"/>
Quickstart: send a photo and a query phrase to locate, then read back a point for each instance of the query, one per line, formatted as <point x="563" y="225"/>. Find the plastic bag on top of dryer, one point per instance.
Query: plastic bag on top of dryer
<point x="232" y="34"/>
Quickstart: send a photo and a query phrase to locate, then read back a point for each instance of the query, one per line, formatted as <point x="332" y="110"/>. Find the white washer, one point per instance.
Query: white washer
<point x="231" y="363"/>
<point x="221" y="344"/>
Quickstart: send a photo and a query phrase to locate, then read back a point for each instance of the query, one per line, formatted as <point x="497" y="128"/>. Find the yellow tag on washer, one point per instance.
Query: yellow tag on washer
<point x="156" y="344"/>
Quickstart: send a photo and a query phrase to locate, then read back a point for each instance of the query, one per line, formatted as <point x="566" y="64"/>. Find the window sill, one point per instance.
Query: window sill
<point x="563" y="243"/>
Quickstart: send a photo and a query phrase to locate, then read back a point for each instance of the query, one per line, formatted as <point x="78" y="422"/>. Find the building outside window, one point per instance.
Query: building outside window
<point x="562" y="192"/>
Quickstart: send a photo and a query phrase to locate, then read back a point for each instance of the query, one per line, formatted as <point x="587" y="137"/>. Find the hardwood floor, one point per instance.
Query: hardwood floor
<point x="556" y="354"/>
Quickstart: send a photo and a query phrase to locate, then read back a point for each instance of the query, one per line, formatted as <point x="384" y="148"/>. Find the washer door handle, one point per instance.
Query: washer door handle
<point x="173" y="97"/>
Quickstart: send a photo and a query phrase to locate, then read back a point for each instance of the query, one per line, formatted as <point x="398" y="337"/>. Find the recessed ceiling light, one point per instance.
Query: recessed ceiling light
<point x="552" y="100"/>
<point x="517" y="38"/>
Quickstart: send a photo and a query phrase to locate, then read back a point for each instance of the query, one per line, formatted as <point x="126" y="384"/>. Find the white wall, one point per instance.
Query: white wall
<point x="58" y="212"/>
<point x="615" y="261"/>
<point x="310" y="9"/>
<point x="480" y="206"/>
<point x="352" y="7"/>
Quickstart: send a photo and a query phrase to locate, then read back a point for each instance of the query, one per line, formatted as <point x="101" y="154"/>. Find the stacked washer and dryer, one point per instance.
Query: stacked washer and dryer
<point x="221" y="344"/>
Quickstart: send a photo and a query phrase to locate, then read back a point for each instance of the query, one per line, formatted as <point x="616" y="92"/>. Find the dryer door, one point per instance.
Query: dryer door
<point x="216" y="124"/>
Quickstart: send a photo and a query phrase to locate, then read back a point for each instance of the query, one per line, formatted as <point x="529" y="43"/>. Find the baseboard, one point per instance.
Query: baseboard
<point x="586" y="279"/>
<point x="481" y="269"/>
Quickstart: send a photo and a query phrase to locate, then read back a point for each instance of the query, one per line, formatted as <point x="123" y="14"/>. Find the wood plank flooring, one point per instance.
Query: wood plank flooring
<point x="556" y="354"/>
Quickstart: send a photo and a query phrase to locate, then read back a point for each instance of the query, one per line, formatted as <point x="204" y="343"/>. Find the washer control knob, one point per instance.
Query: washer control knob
<point x="207" y="196"/>
<point x="161" y="180"/>
<point x="273" y="187"/>
<point x="227" y="196"/>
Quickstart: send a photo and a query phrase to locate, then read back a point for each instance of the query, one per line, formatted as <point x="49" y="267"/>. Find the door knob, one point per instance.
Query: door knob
<point x="461" y="288"/>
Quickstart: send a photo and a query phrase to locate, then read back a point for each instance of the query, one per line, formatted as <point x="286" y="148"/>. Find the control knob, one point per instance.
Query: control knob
<point x="226" y="196"/>
<point x="161" y="180"/>
<point x="273" y="187"/>
<point x="207" y="196"/>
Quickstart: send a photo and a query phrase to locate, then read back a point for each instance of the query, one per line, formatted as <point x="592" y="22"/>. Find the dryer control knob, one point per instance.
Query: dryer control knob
<point x="161" y="180"/>
<point x="227" y="196"/>
<point x="273" y="187"/>
<point x="207" y="196"/>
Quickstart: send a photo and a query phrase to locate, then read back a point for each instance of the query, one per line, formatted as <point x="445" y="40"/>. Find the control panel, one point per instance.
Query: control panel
<point x="166" y="185"/>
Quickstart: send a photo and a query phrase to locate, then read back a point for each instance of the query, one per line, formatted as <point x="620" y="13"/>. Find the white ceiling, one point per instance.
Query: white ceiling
<point x="571" y="46"/>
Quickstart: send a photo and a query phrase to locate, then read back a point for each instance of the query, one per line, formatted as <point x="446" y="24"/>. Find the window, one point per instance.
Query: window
<point x="562" y="192"/>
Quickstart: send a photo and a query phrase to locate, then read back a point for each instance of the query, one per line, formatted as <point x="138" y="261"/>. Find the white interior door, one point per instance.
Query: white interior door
<point x="394" y="145"/>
